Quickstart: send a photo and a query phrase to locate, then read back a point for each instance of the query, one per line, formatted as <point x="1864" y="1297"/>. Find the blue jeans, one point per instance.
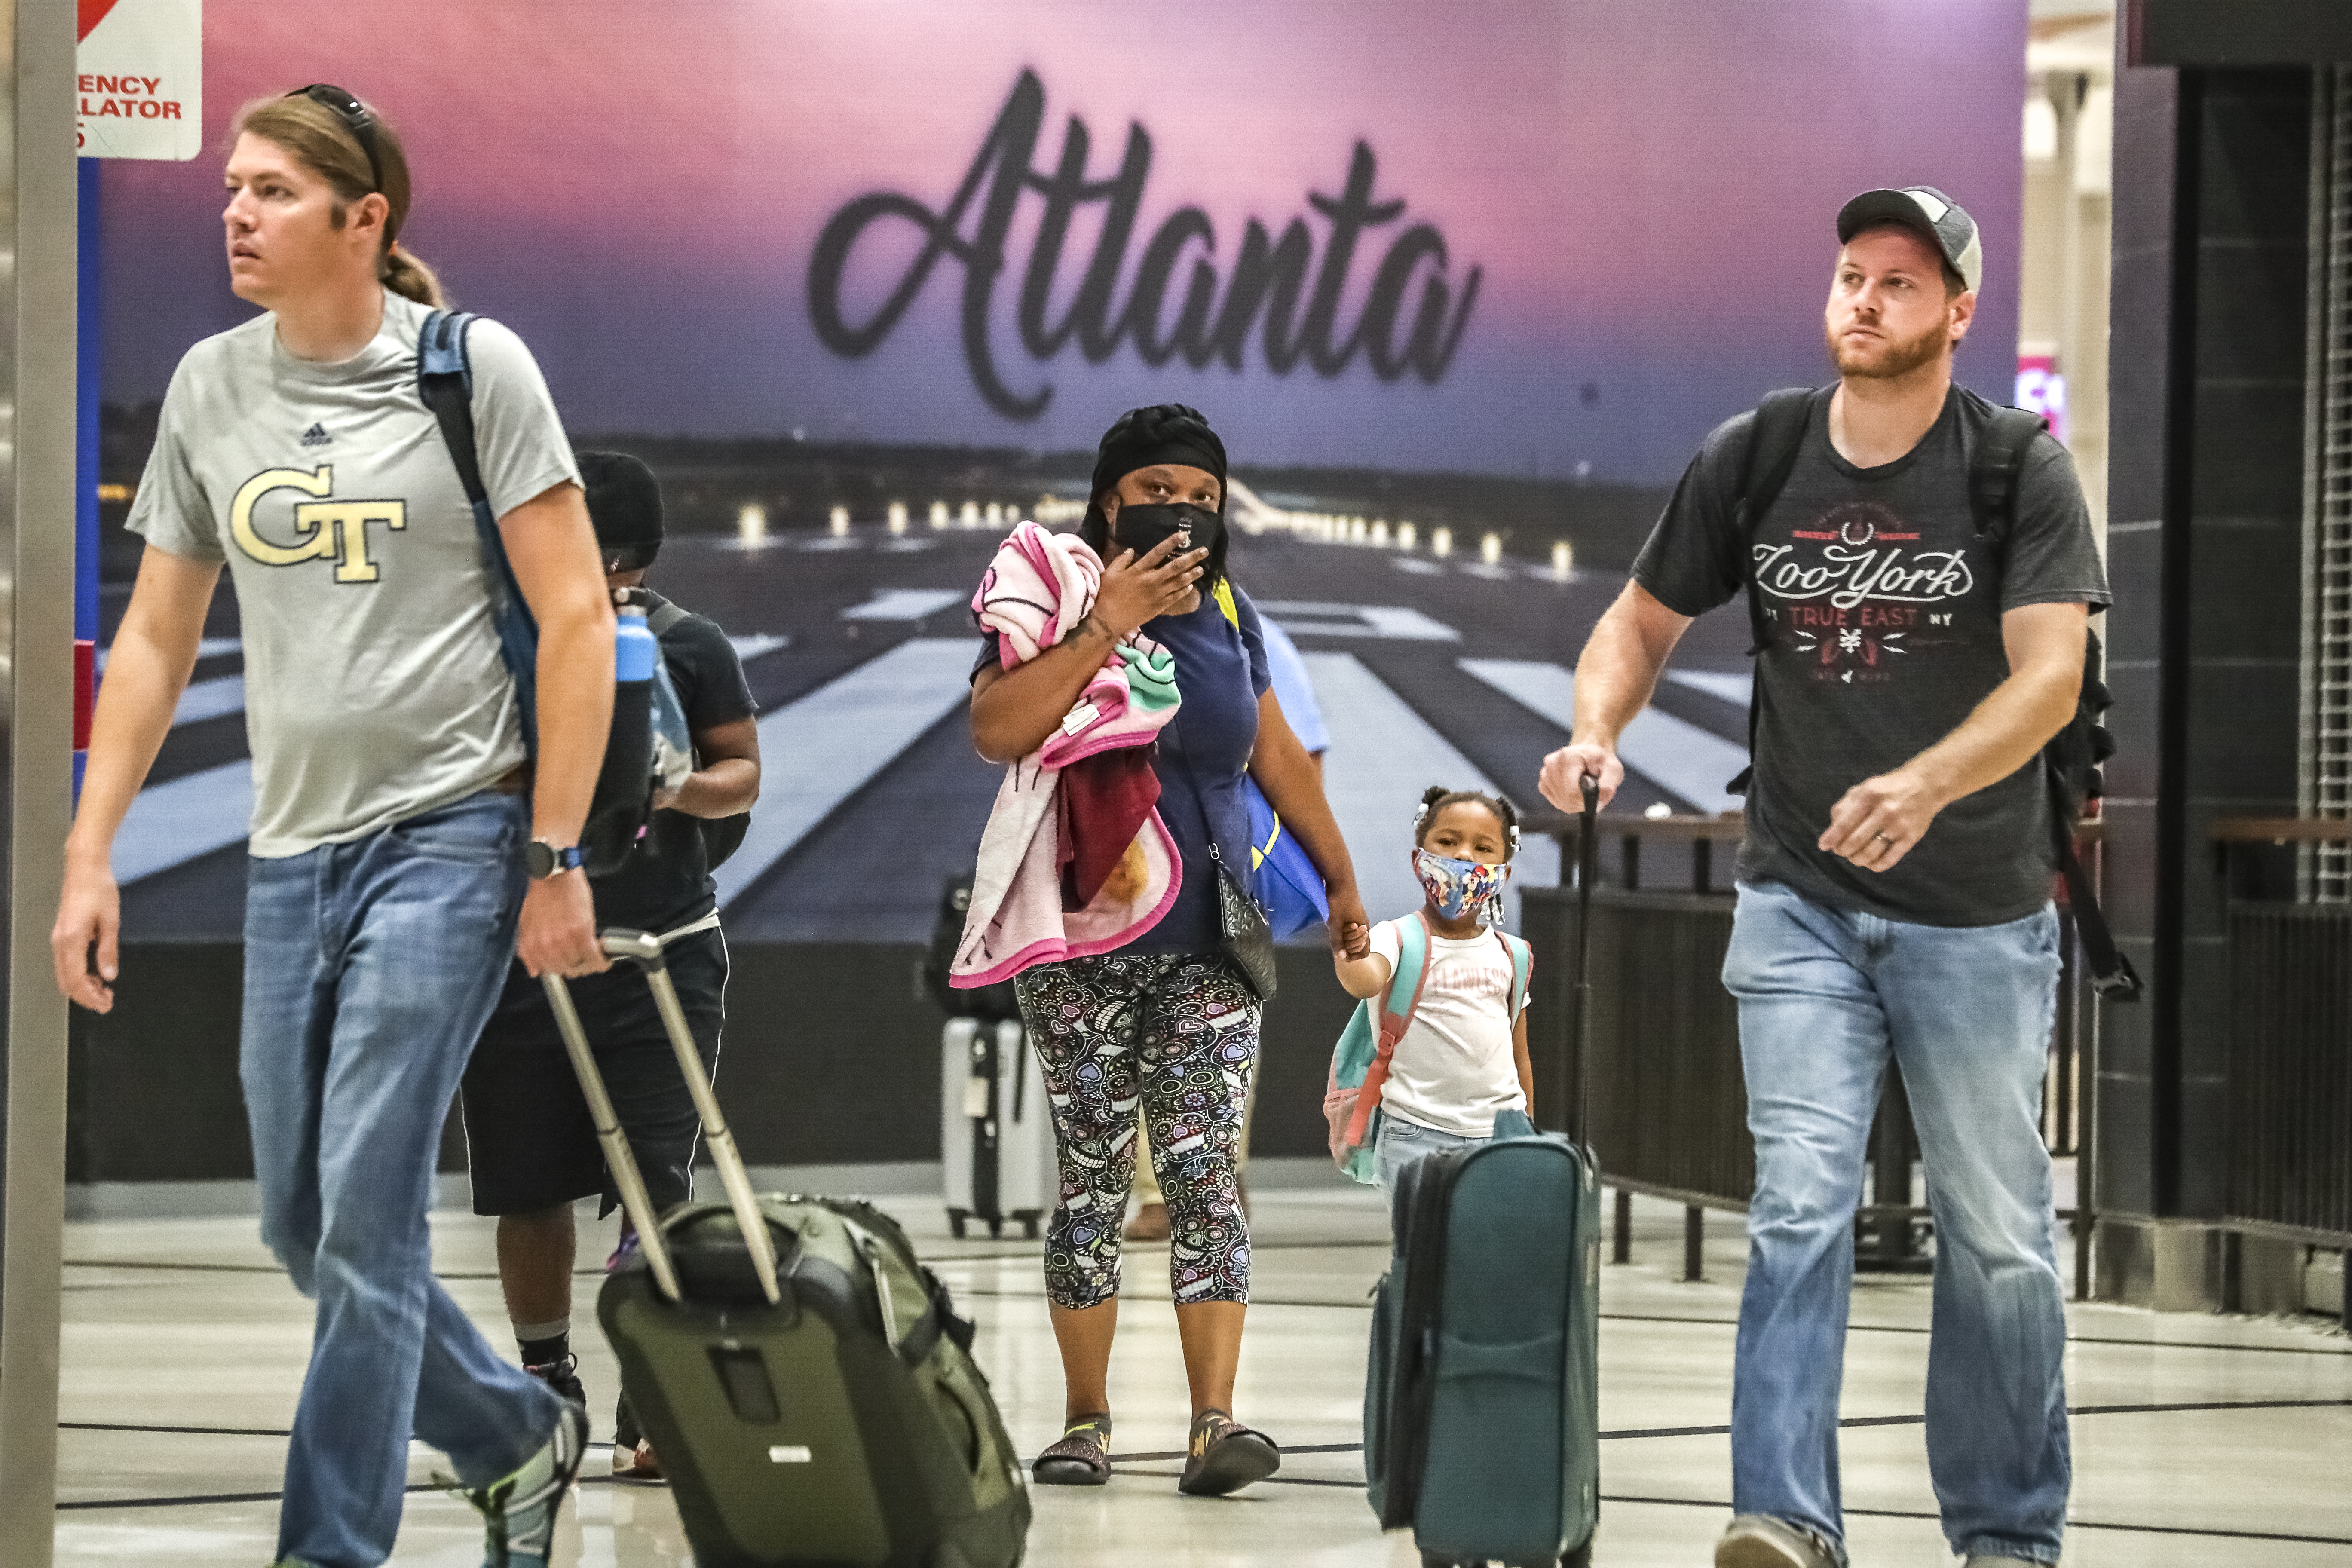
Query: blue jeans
<point x="1402" y="1142"/>
<point x="370" y="968"/>
<point x="1826" y="997"/>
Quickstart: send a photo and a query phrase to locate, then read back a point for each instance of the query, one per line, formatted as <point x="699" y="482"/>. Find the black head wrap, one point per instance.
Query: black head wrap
<point x="1143" y="439"/>
<point x="625" y="504"/>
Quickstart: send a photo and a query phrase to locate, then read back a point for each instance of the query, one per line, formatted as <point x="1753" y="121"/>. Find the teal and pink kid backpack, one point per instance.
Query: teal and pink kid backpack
<point x="1360" y="1062"/>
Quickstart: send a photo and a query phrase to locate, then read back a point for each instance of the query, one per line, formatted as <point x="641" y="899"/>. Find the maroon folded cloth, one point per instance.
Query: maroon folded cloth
<point x="1104" y="802"/>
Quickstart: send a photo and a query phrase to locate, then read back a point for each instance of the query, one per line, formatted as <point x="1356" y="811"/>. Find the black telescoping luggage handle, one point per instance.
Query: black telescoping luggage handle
<point x="645" y="951"/>
<point x="1581" y="979"/>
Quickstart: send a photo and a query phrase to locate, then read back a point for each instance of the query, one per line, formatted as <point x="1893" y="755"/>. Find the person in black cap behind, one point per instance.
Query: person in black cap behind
<point x="1913" y="657"/>
<point x="1167" y="1020"/>
<point x="529" y="1142"/>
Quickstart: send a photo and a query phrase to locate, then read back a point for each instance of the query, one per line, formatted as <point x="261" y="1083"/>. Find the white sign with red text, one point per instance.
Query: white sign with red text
<point x="140" y="78"/>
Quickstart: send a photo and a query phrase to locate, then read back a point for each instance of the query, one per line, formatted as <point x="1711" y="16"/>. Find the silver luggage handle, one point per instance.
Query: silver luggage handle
<point x="645" y="951"/>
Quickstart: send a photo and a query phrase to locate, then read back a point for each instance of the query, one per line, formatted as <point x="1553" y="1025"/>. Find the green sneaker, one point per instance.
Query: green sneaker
<point x="521" y="1509"/>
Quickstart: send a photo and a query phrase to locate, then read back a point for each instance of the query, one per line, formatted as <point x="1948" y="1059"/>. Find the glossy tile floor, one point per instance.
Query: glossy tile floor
<point x="2200" y="1440"/>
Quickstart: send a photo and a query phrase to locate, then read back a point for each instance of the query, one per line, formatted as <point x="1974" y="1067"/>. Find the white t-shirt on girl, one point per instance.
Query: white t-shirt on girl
<point x="1455" y="1067"/>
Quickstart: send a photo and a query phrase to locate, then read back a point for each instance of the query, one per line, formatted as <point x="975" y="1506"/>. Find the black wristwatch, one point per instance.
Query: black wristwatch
<point x="543" y="859"/>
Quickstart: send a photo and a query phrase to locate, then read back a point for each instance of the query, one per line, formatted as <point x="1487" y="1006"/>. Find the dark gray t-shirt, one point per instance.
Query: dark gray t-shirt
<point x="1882" y="610"/>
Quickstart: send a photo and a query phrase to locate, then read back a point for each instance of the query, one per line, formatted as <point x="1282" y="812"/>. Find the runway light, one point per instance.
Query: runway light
<point x="1406" y="536"/>
<point x="939" y="514"/>
<point x="1490" y="549"/>
<point x="995" y="515"/>
<point x="970" y="516"/>
<point x="897" y="517"/>
<point x="841" y="522"/>
<point x="1380" y="533"/>
<point x="1441" y="542"/>
<point x="752" y="525"/>
<point x="1357" y="530"/>
<point x="1563" y="559"/>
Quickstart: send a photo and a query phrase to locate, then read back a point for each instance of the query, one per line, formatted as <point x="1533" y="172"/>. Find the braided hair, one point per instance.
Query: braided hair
<point x="1437" y="797"/>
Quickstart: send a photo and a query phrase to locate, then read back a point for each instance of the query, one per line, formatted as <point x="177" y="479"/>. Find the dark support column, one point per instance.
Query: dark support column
<point x="2207" y="402"/>
<point x="1621" y="1241"/>
<point x="1693" y="1243"/>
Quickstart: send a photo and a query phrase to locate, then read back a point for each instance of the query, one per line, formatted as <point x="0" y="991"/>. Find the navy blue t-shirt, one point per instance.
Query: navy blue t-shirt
<point x="1220" y="672"/>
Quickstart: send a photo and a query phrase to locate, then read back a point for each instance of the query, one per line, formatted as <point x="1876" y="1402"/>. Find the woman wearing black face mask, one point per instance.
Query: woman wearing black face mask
<point x="1168" y="1019"/>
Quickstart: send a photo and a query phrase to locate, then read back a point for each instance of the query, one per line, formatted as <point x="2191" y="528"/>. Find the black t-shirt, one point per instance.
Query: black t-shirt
<point x="665" y="881"/>
<point x="1882" y="613"/>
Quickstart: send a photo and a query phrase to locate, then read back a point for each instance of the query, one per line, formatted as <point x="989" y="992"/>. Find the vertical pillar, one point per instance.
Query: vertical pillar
<point x="37" y="212"/>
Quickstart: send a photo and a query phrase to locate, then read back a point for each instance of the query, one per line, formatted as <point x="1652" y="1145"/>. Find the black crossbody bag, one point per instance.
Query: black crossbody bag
<point x="1244" y="935"/>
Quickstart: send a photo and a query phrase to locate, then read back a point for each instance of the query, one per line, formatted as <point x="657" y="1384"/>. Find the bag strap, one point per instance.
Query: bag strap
<point x="2112" y="974"/>
<point x="1412" y="955"/>
<point x="1390" y="1023"/>
<point x="1774" y="437"/>
<point x="1522" y="958"/>
<point x="1996" y="471"/>
<point x="445" y="381"/>
<point x="1224" y="594"/>
<point x="667" y="616"/>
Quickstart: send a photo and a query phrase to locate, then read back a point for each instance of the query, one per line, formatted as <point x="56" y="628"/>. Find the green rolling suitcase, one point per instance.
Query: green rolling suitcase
<point x="805" y="1380"/>
<point x="1481" y="1413"/>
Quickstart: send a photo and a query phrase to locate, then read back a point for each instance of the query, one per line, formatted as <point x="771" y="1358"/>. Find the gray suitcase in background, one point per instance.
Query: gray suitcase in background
<point x="996" y="1131"/>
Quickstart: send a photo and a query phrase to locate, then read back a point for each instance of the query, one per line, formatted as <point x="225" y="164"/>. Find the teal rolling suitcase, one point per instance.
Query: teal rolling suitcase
<point x="1481" y="1415"/>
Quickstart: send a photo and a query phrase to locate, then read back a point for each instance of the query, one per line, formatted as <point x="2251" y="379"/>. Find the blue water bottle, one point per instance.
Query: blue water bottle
<point x="635" y="651"/>
<point x="624" y="786"/>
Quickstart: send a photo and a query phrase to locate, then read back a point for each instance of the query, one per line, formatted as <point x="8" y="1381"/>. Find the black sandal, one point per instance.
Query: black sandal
<point x="1082" y="1458"/>
<point x="1227" y="1457"/>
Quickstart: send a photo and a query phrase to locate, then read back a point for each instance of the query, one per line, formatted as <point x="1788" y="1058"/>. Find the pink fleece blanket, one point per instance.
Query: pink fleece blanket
<point x="1037" y="589"/>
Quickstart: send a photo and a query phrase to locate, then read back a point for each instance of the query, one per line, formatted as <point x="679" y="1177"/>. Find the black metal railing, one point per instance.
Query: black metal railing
<point x="2289" y="1047"/>
<point x="1669" y="1104"/>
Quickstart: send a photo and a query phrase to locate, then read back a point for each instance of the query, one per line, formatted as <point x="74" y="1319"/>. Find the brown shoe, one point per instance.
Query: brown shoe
<point x="1150" y="1223"/>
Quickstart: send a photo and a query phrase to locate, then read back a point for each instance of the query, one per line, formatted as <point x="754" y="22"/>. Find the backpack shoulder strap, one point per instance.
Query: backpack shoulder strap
<point x="667" y="616"/>
<point x="445" y="381"/>
<point x="1774" y="438"/>
<point x="1411" y="974"/>
<point x="1994" y="471"/>
<point x="1773" y="442"/>
<point x="1522" y="964"/>
<point x="1224" y="594"/>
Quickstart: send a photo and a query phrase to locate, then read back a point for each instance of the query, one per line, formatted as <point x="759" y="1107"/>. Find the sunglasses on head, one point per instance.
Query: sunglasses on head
<point x="354" y="116"/>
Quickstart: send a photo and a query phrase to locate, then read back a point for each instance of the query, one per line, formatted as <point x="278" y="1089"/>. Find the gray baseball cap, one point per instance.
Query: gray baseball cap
<point x="1927" y="210"/>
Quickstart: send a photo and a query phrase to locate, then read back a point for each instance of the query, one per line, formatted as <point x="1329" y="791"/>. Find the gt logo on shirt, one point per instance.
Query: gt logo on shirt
<point x="332" y="530"/>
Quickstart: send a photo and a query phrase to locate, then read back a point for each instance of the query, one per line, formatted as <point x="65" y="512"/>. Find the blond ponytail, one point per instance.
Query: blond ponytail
<point x="408" y="276"/>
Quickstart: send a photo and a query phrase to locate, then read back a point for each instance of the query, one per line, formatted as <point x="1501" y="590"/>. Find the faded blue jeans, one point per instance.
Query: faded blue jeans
<point x="1827" y="998"/>
<point x="370" y="968"/>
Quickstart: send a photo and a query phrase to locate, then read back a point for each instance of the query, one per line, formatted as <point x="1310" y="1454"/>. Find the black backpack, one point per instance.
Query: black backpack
<point x="721" y="835"/>
<point x="2070" y="762"/>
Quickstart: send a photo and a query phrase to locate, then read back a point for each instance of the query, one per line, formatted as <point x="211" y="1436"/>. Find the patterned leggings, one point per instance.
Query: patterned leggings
<point x="1180" y="1033"/>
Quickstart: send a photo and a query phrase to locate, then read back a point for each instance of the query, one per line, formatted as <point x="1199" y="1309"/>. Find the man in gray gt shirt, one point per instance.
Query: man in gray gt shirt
<point x="1894" y="885"/>
<point x="402" y="851"/>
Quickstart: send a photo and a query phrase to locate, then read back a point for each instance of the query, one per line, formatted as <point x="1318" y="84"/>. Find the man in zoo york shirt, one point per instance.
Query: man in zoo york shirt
<point x="1894" y="902"/>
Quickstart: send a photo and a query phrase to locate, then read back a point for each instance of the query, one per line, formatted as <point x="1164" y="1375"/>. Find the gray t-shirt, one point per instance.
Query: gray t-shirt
<point x="1882" y="610"/>
<point x="374" y="689"/>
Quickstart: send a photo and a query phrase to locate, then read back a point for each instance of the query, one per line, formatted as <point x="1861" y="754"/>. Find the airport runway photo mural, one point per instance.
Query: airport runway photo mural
<point x="1461" y="286"/>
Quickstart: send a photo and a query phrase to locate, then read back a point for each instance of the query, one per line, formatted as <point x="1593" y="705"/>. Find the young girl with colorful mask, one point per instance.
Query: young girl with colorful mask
<point x="1462" y="1063"/>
